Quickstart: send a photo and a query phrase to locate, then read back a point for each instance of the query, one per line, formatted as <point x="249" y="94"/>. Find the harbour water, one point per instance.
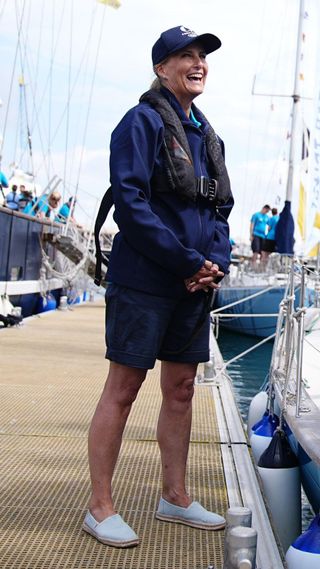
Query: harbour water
<point x="248" y="374"/>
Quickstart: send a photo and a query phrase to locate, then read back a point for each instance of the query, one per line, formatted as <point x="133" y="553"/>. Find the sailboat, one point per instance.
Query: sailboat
<point x="249" y="298"/>
<point x="45" y="107"/>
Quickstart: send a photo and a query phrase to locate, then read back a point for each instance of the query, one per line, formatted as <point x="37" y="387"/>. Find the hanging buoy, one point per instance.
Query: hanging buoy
<point x="279" y="470"/>
<point x="262" y="433"/>
<point x="46" y="303"/>
<point x="304" y="553"/>
<point x="5" y="305"/>
<point x="256" y="410"/>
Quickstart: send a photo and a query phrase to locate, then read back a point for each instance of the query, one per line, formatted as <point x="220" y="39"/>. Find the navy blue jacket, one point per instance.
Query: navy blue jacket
<point x="162" y="239"/>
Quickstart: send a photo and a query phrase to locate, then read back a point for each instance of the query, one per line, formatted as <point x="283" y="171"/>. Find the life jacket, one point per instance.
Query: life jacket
<point x="178" y="172"/>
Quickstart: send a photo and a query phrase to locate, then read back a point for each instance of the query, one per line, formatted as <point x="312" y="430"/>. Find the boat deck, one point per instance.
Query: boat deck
<point x="52" y="373"/>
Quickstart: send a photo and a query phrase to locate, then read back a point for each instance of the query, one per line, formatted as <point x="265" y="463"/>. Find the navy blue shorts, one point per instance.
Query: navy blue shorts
<point x="256" y="244"/>
<point x="141" y="327"/>
<point x="269" y="245"/>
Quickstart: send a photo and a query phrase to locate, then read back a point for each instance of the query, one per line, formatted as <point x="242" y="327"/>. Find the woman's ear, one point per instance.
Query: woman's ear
<point x="160" y="71"/>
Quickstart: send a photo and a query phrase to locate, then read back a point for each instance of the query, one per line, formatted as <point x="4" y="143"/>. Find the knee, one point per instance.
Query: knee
<point x="126" y="395"/>
<point x="182" y="391"/>
<point x="121" y="391"/>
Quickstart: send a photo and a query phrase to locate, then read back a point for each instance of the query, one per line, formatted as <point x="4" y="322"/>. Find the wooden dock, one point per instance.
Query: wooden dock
<point x="52" y="373"/>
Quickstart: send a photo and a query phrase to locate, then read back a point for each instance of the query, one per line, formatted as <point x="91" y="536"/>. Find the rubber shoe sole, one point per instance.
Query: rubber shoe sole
<point x="121" y="544"/>
<point x="190" y="523"/>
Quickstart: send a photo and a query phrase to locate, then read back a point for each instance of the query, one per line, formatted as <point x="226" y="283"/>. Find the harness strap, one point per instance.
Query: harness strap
<point x="105" y="206"/>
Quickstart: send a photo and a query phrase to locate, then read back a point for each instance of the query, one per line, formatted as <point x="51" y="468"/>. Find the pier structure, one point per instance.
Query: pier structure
<point x="52" y="373"/>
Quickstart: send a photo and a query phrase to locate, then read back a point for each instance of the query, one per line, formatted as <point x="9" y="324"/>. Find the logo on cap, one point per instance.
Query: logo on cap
<point x="187" y="32"/>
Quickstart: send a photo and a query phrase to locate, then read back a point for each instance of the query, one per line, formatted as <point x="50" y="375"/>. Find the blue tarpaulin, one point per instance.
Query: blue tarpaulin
<point x="285" y="231"/>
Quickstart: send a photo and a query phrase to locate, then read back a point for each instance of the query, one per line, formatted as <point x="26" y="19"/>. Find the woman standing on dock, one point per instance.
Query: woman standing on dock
<point x="172" y="198"/>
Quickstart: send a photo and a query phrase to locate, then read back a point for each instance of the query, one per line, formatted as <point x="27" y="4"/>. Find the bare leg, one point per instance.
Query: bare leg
<point x="105" y="434"/>
<point x="174" y="425"/>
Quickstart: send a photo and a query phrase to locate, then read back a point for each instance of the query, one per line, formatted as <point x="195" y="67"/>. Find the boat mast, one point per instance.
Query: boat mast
<point x="295" y="109"/>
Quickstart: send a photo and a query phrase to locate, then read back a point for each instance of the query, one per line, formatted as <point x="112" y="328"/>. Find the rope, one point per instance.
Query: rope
<point x="223" y="368"/>
<point x="312" y="346"/>
<point x="244" y="299"/>
<point x="65" y="277"/>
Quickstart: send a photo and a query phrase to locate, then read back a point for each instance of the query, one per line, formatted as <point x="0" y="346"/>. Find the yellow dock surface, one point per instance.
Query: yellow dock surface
<point x="52" y="373"/>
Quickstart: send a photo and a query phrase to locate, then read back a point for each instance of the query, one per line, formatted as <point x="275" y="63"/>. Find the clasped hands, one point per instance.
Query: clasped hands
<point x="205" y="278"/>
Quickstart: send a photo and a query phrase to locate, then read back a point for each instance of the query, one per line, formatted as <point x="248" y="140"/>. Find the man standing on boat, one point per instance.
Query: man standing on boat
<point x="172" y="198"/>
<point x="269" y="243"/>
<point x="258" y="230"/>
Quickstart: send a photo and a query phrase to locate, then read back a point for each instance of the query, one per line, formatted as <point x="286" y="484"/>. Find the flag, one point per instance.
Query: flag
<point x="112" y="3"/>
<point x="316" y="233"/>
<point x="302" y="211"/>
<point x="301" y="218"/>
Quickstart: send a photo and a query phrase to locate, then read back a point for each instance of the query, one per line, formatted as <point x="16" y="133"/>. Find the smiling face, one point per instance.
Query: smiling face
<point x="184" y="73"/>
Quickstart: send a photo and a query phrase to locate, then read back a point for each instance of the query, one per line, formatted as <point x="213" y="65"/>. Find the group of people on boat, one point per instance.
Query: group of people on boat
<point x="263" y="225"/>
<point x="46" y="206"/>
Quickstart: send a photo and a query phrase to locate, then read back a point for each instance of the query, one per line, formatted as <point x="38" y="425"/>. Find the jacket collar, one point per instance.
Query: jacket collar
<point x="171" y="98"/>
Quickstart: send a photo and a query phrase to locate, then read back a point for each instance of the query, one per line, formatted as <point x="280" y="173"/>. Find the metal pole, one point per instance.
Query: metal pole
<point x="296" y="100"/>
<point x="300" y="319"/>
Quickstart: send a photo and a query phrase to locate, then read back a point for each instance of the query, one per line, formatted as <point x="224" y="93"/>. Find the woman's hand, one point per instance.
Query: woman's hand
<point x="205" y="278"/>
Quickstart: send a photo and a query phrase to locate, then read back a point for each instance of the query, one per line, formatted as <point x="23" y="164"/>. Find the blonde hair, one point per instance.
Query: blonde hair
<point x="56" y="196"/>
<point x="156" y="84"/>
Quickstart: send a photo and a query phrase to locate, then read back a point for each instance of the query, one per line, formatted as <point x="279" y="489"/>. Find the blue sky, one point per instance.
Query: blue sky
<point x="258" y="39"/>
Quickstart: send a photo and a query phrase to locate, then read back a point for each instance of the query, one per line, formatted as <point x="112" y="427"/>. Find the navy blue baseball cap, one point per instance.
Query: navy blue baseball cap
<point x="178" y="38"/>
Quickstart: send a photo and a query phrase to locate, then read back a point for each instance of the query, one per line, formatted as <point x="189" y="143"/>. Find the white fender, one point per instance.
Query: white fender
<point x="283" y="493"/>
<point x="256" y="410"/>
<point x="297" y="559"/>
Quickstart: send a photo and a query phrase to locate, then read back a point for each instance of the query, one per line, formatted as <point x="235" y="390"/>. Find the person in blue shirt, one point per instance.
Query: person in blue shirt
<point x="12" y="198"/>
<point x="25" y="198"/>
<point x="258" y="230"/>
<point x="172" y="198"/>
<point x="269" y="243"/>
<point x="44" y="207"/>
<point x="64" y="212"/>
<point x="3" y="184"/>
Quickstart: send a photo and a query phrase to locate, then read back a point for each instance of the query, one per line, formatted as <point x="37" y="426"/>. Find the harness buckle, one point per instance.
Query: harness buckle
<point x="207" y="188"/>
<point x="213" y="189"/>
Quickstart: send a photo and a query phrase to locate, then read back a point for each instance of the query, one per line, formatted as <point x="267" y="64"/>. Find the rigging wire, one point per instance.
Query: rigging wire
<point x="269" y="123"/>
<point x="38" y="57"/>
<point x="60" y="121"/>
<point x="51" y="87"/>
<point x="249" y="138"/>
<point x="85" y="73"/>
<point x="3" y="9"/>
<point x="68" y="100"/>
<point x="90" y="99"/>
<point x="11" y="80"/>
<point x="36" y="122"/>
<point x="23" y="119"/>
